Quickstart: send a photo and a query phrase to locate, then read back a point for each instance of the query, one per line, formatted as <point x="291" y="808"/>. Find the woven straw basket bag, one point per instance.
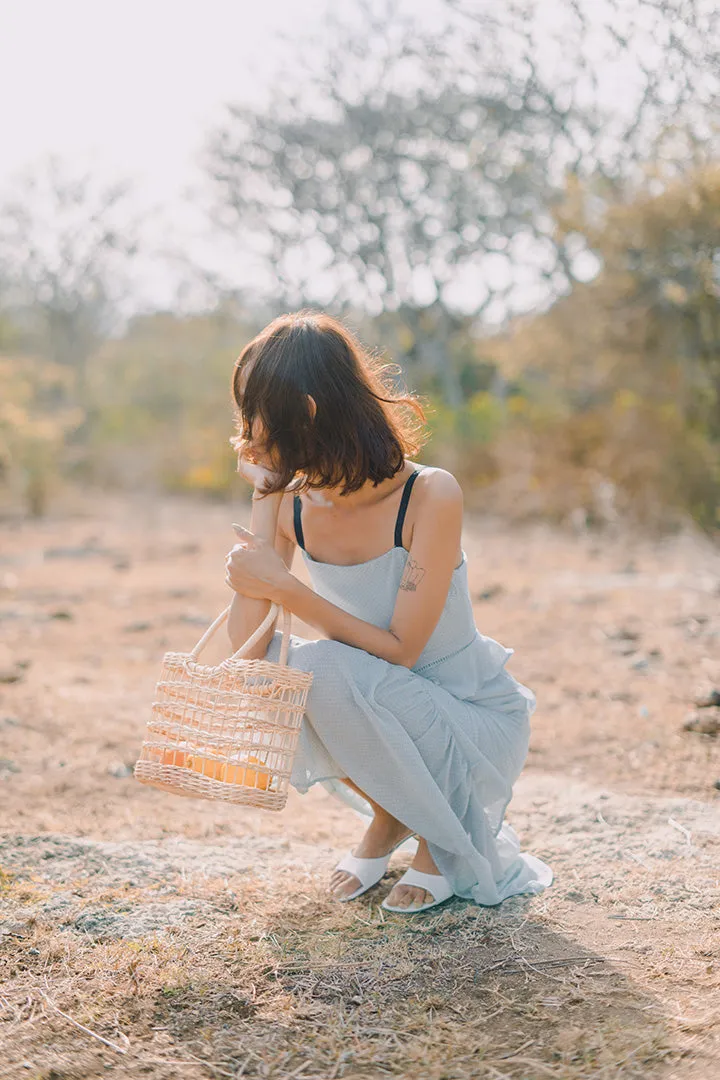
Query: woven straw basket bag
<point x="226" y="732"/>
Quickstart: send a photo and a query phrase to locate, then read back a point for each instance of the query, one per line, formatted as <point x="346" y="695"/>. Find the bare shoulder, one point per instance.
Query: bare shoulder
<point x="438" y="487"/>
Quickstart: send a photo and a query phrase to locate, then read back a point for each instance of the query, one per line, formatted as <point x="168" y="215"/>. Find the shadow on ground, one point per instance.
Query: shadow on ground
<point x="182" y="959"/>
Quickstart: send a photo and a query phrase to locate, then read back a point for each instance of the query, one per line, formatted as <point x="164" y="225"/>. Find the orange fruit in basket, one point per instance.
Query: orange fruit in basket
<point x="175" y="757"/>
<point x="167" y="757"/>
<point x="240" y="774"/>
<point x="208" y="767"/>
<point x="229" y="772"/>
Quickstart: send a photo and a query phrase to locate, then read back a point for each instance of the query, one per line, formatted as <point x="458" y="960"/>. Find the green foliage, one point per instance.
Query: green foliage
<point x="475" y="423"/>
<point x="33" y="428"/>
<point x="163" y="412"/>
<point x="463" y="439"/>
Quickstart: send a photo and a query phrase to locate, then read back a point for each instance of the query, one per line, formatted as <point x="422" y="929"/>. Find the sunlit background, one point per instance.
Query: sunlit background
<point x="519" y="203"/>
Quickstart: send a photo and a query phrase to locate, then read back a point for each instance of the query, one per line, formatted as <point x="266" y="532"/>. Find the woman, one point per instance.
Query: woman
<point x="411" y="717"/>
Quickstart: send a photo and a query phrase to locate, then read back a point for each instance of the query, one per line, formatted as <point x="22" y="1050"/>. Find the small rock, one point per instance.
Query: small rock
<point x="706" y="722"/>
<point x="589" y="599"/>
<point x="708" y="701"/>
<point x="74" y="552"/>
<point x="11" y="674"/>
<point x="717" y="785"/>
<point x="576" y="896"/>
<point x="643" y="712"/>
<point x="120" y="770"/>
<point x="14" y="929"/>
<point x="61" y="613"/>
<point x="194" y="619"/>
<point x="188" y="549"/>
<point x="641" y="664"/>
<point x="622" y="633"/>
<point x="490" y="593"/>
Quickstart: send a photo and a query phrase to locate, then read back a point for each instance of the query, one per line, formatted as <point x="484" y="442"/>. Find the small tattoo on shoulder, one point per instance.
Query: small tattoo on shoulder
<point x="412" y="575"/>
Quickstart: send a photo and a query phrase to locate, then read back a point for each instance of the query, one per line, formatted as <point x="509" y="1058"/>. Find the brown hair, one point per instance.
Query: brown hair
<point x="362" y="429"/>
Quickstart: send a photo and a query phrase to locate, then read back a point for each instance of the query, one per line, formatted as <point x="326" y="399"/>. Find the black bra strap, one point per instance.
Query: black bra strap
<point x="297" y="518"/>
<point x="403" y="507"/>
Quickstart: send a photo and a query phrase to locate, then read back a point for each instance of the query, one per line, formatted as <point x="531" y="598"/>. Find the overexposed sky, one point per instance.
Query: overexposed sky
<point x="135" y="82"/>
<point x="129" y="89"/>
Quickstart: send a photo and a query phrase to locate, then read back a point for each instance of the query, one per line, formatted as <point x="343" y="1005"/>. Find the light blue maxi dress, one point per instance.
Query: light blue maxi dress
<point x="438" y="745"/>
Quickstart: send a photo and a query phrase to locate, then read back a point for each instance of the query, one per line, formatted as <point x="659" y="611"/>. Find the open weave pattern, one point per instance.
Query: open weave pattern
<point x="224" y="732"/>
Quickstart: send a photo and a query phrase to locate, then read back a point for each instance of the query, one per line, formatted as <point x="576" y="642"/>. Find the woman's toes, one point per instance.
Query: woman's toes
<point x="408" y="897"/>
<point x="420" y="897"/>
<point x="342" y="884"/>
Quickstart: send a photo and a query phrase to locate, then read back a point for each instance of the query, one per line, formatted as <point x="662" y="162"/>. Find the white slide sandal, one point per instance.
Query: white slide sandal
<point x="368" y="871"/>
<point x="437" y="885"/>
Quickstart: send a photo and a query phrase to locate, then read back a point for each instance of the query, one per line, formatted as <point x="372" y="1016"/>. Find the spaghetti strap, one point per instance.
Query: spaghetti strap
<point x="438" y="744"/>
<point x="297" y="521"/>
<point x="403" y="507"/>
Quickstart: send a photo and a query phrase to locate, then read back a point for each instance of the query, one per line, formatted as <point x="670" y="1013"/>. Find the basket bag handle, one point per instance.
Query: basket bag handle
<point x="254" y="637"/>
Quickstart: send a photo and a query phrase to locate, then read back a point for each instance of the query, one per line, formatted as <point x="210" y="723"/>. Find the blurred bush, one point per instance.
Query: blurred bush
<point x="605" y="407"/>
<point x="35" y="425"/>
<point x="162" y="411"/>
<point x="620" y="380"/>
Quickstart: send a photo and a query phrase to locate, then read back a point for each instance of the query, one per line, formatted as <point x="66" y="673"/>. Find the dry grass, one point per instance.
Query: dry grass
<point x="258" y="979"/>
<point x="146" y="936"/>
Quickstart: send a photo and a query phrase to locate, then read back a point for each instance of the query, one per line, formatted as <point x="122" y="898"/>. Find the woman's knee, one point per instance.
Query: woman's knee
<point x="326" y="660"/>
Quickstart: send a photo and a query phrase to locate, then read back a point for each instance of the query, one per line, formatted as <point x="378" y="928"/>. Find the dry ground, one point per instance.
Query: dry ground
<point x="149" y="936"/>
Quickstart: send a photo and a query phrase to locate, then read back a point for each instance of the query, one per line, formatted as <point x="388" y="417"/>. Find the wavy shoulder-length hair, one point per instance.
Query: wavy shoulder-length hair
<point x="363" y="426"/>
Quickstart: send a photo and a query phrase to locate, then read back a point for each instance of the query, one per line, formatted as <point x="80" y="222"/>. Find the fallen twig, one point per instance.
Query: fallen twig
<point x="81" y="1027"/>
<point x="635" y="918"/>
<point x="546" y="1069"/>
<point x="681" y="828"/>
<point x="557" y="962"/>
<point x="514" y="1053"/>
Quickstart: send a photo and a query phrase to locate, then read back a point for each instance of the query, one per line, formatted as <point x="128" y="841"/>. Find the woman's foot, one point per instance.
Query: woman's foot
<point x="382" y="835"/>
<point x="410" y="896"/>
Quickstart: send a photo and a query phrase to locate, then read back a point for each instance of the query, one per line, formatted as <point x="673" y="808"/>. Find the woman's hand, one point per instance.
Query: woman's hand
<point x="251" y="465"/>
<point x="254" y="466"/>
<point x="254" y="568"/>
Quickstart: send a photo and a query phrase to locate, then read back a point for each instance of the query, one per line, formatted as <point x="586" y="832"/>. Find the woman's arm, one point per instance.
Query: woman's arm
<point x="246" y="612"/>
<point x="423" y="589"/>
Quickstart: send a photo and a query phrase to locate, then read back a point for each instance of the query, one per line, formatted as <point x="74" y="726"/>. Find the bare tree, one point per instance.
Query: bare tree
<point x="65" y="249"/>
<point x="414" y="171"/>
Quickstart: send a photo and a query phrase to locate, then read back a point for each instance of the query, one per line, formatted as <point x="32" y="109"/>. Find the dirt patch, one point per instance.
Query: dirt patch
<point x="229" y="956"/>
<point x="144" y="935"/>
